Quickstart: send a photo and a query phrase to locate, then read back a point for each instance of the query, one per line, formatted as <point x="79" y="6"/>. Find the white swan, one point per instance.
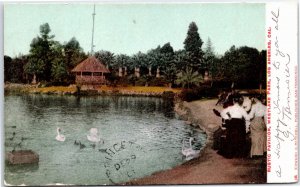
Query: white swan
<point x="93" y="136"/>
<point x="59" y="136"/>
<point x="189" y="153"/>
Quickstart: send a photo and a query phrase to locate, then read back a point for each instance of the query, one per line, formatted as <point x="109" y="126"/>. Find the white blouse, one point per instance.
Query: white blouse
<point x="235" y="111"/>
<point x="258" y="110"/>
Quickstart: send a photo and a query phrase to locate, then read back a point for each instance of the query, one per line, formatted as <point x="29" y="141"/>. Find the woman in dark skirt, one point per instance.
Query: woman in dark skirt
<point x="235" y="143"/>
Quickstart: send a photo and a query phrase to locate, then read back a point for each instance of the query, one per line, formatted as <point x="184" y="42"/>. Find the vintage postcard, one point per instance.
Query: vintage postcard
<point x="143" y="93"/>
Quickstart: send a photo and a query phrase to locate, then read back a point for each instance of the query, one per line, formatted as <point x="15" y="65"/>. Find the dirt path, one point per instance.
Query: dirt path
<point x="210" y="168"/>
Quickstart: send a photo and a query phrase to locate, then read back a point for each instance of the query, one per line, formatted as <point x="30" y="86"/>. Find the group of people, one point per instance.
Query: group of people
<point x="243" y="117"/>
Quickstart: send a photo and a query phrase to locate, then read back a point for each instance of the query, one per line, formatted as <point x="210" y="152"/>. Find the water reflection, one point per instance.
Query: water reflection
<point x="35" y="104"/>
<point x="22" y="168"/>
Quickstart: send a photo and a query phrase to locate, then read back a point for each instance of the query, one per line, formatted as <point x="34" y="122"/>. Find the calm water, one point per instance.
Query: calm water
<point x="141" y="136"/>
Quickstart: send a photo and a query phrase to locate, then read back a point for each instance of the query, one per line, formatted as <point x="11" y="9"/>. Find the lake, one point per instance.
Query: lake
<point x="141" y="135"/>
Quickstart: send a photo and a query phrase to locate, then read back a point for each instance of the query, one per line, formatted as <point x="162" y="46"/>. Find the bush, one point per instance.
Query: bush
<point x="168" y="94"/>
<point x="198" y="93"/>
<point x="123" y="81"/>
<point x="141" y="81"/>
<point x="158" y="82"/>
<point x="132" y="79"/>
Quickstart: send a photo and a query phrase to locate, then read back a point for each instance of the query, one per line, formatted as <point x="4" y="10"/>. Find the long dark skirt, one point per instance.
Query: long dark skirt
<point x="234" y="145"/>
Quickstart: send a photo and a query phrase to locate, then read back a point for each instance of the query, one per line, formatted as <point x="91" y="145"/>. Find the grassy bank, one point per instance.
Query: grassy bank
<point x="91" y="90"/>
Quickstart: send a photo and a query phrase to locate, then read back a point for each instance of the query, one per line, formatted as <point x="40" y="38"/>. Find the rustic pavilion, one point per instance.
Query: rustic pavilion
<point x="91" y="71"/>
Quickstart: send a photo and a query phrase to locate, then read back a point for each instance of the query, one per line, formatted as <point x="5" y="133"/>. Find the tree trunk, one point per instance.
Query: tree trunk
<point x="260" y="88"/>
<point x="120" y="72"/>
<point x="34" y="79"/>
<point x="157" y="73"/>
<point x="206" y="76"/>
<point x="137" y="70"/>
<point x="150" y="68"/>
<point x="125" y="71"/>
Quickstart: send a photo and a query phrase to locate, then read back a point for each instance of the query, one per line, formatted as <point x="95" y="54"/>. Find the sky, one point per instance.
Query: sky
<point x="130" y="28"/>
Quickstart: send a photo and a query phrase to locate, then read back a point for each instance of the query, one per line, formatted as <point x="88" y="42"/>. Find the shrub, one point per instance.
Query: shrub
<point x="123" y="81"/>
<point x="158" y="82"/>
<point x="132" y="79"/>
<point x="168" y="94"/>
<point x="198" y="93"/>
<point x="141" y="81"/>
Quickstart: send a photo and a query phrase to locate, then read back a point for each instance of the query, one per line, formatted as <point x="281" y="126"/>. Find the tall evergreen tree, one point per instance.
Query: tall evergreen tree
<point x="209" y="50"/>
<point x="192" y="46"/>
<point x="40" y="56"/>
<point x="210" y="60"/>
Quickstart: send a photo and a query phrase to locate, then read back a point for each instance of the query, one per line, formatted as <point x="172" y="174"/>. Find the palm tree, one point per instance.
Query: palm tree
<point x="188" y="78"/>
<point x="139" y="60"/>
<point x="122" y="61"/>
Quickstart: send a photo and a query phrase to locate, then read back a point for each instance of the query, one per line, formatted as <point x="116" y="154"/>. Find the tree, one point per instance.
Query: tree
<point x="59" y="68"/>
<point x="170" y="74"/>
<point x="181" y="60"/>
<point x="122" y="61"/>
<point x="167" y="49"/>
<point x="7" y="65"/>
<point x="140" y="62"/>
<point x="209" y="54"/>
<point x="155" y="59"/>
<point x="192" y="46"/>
<point x="210" y="60"/>
<point x="13" y="68"/>
<point x="40" y="56"/>
<point x="262" y="69"/>
<point x="241" y="65"/>
<point x="73" y="53"/>
<point x="106" y="57"/>
<point x="17" y="69"/>
<point x="189" y="78"/>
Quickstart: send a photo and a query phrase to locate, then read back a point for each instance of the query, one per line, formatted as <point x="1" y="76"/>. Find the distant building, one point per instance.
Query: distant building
<point x="91" y="71"/>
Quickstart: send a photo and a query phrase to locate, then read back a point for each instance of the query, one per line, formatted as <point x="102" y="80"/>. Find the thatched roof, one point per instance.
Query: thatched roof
<point x="91" y="64"/>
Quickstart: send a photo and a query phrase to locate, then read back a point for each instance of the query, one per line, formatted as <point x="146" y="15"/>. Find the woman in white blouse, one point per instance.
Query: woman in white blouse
<point x="258" y="128"/>
<point x="235" y="118"/>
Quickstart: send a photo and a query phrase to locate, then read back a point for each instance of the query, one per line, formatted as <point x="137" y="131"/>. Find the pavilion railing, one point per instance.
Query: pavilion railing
<point x="91" y="79"/>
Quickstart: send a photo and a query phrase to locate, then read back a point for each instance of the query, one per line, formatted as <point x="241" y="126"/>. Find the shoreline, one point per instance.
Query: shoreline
<point x="209" y="167"/>
<point x="164" y="92"/>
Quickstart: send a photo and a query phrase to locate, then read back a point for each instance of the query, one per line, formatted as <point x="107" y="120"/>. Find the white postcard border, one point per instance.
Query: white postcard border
<point x="282" y="82"/>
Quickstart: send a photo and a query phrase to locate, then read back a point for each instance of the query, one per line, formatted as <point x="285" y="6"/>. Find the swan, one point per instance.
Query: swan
<point x="59" y="136"/>
<point x="93" y="136"/>
<point x="189" y="153"/>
